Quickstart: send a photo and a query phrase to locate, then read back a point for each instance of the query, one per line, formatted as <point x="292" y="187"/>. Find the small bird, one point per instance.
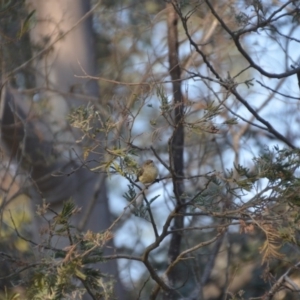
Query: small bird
<point x="148" y="172"/>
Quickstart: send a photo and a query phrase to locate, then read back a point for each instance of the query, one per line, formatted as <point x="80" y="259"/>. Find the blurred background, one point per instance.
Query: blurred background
<point x="88" y="96"/>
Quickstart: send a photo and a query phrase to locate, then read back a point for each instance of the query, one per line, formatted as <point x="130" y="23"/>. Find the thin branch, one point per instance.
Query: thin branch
<point x="122" y="256"/>
<point x="151" y="216"/>
<point x="235" y="38"/>
<point x="181" y="256"/>
<point x="279" y="283"/>
<point x="262" y="120"/>
<point x="276" y="92"/>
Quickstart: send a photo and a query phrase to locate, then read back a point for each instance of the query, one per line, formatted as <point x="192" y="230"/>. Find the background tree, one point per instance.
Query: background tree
<point x="38" y="135"/>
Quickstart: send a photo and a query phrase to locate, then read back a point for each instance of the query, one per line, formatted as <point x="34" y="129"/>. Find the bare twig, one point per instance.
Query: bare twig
<point x="279" y="283"/>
